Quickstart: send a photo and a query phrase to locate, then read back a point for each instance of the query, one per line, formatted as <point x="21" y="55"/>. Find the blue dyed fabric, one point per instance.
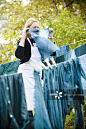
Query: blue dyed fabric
<point x="74" y="90"/>
<point x="65" y="79"/>
<point x="52" y="106"/>
<point x="73" y="54"/>
<point x="70" y="85"/>
<point x="49" y="103"/>
<point x="46" y="47"/>
<point x="41" y="118"/>
<point x="82" y="68"/>
<point x="13" y="108"/>
<point x="39" y="33"/>
<point x="80" y="118"/>
<point x="9" y="68"/>
<point x="62" y="51"/>
<point x="58" y="102"/>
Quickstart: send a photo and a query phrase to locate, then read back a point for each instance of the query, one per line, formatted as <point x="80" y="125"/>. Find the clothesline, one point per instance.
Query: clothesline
<point x="43" y="66"/>
<point x="64" y="57"/>
<point x="53" y="81"/>
<point x="77" y="41"/>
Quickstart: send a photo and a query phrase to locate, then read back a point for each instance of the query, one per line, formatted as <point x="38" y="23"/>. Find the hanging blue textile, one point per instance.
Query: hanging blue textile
<point x="79" y="51"/>
<point x="74" y="87"/>
<point x="73" y="54"/>
<point x="61" y="79"/>
<point x="82" y="68"/>
<point x="53" y="105"/>
<point x="80" y="118"/>
<point x="62" y="51"/>
<point x="58" y="102"/>
<point x="46" y="47"/>
<point x="41" y="118"/>
<point x="13" y="108"/>
<point x="69" y="83"/>
<point x="9" y="68"/>
<point x="39" y="32"/>
<point x="47" y="98"/>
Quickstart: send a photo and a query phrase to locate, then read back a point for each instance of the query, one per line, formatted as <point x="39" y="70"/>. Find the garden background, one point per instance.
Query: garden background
<point x="66" y="17"/>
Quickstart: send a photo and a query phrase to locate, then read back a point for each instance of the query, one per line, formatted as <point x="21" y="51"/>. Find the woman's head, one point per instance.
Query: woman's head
<point x="32" y="23"/>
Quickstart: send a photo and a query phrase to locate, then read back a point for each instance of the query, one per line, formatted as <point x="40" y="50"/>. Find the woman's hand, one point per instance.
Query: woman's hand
<point x="24" y="32"/>
<point x="51" y="33"/>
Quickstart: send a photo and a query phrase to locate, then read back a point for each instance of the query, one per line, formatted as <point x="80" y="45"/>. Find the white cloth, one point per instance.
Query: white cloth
<point x="28" y="76"/>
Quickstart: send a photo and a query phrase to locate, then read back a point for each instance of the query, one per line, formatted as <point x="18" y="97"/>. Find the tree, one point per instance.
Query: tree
<point x="67" y="25"/>
<point x="66" y="17"/>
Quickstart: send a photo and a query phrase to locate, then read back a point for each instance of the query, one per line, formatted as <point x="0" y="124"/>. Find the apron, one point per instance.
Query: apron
<point x="28" y="75"/>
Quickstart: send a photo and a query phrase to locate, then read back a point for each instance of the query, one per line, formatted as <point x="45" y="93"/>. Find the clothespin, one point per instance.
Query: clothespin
<point x="74" y="41"/>
<point x="53" y="61"/>
<point x="47" y="62"/>
<point x="43" y="65"/>
<point x="31" y="63"/>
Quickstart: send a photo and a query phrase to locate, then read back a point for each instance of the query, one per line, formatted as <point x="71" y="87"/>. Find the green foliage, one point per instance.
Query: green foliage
<point x="85" y="109"/>
<point x="68" y="25"/>
<point x="7" y="53"/>
<point x="17" y="16"/>
<point x="70" y="120"/>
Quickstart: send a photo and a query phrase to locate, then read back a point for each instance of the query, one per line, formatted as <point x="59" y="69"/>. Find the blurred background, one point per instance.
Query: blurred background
<point x="66" y="17"/>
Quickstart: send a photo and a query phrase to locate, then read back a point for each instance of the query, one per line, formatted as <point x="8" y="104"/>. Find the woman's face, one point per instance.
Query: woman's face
<point x="35" y="25"/>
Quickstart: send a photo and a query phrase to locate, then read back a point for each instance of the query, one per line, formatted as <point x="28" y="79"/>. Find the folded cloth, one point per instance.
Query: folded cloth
<point x="46" y="47"/>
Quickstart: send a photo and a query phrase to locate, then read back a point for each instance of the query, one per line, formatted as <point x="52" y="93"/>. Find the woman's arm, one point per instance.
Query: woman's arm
<point x="23" y="48"/>
<point x="22" y="42"/>
<point x="52" y="40"/>
<point x="20" y="48"/>
<point x="23" y="52"/>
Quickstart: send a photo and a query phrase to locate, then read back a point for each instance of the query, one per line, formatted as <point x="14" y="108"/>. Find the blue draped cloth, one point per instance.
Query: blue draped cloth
<point x="13" y="108"/>
<point x="9" y="68"/>
<point x="73" y="54"/>
<point x="82" y="69"/>
<point x="46" y="47"/>
<point x="41" y="118"/>
<point x="68" y="82"/>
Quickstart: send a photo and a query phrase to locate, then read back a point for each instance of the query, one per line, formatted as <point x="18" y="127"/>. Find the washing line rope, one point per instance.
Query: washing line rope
<point x="77" y="41"/>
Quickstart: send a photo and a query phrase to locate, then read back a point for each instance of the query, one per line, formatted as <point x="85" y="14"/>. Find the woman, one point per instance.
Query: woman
<point x="27" y="52"/>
